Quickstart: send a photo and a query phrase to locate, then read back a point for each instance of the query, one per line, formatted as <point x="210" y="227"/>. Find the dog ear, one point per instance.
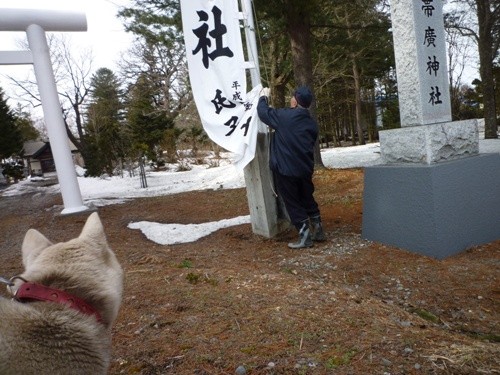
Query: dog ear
<point x="93" y="230"/>
<point x="34" y="243"/>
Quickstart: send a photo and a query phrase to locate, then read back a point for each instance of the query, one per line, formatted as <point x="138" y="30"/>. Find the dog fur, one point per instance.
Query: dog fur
<point x="46" y="338"/>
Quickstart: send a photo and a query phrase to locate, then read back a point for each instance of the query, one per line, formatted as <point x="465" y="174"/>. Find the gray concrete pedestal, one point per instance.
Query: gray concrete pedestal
<point x="436" y="210"/>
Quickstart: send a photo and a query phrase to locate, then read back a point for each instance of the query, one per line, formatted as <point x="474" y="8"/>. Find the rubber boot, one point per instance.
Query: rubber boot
<point x="317" y="229"/>
<point x="304" y="237"/>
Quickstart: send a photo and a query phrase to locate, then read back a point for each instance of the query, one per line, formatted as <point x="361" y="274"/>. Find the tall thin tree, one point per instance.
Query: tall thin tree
<point x="486" y="33"/>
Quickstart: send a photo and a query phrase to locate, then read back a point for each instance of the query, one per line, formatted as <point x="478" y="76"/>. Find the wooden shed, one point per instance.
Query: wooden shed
<point x="38" y="157"/>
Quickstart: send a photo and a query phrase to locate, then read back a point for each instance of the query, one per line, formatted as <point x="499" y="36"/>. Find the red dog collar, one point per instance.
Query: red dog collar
<point x="28" y="292"/>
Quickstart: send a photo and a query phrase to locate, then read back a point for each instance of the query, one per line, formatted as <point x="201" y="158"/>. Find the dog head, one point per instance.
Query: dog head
<point x="84" y="266"/>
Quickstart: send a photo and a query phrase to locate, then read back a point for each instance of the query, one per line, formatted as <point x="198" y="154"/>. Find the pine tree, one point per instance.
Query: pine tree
<point x="11" y="141"/>
<point x="25" y="125"/>
<point x="146" y="122"/>
<point x="102" y="128"/>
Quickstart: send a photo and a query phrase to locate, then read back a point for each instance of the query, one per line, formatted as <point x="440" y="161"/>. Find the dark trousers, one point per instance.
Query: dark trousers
<point x="297" y="194"/>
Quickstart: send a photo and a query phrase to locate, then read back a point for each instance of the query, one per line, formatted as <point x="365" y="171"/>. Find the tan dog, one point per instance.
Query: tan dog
<point x="65" y="303"/>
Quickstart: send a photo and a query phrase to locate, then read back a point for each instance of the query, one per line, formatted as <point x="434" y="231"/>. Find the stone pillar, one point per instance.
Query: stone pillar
<point x="420" y="52"/>
<point x="427" y="134"/>
<point x="434" y="195"/>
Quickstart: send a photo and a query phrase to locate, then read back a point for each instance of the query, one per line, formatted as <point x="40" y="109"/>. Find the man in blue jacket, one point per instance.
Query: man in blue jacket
<point x="292" y="161"/>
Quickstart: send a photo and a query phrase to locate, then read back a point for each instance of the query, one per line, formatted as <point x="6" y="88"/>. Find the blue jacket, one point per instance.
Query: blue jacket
<point x="292" y="146"/>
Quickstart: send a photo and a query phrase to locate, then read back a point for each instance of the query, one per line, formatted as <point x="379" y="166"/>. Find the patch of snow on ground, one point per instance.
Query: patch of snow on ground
<point x="113" y="190"/>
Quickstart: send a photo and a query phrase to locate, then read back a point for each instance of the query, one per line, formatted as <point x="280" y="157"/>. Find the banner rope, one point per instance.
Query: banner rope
<point x="259" y="38"/>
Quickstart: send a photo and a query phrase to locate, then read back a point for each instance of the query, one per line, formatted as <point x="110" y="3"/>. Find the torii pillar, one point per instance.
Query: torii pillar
<point x="35" y="22"/>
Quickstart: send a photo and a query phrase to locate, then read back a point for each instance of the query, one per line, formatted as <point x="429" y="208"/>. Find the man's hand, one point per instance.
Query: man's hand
<point x="266" y="91"/>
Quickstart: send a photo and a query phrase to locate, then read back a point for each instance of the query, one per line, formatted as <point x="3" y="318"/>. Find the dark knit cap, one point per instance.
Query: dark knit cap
<point x="303" y="96"/>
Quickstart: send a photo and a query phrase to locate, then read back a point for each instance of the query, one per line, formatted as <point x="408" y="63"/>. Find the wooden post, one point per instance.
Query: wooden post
<point x="267" y="217"/>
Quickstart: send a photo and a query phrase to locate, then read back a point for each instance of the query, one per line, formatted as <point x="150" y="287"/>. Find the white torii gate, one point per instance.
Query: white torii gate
<point x="35" y="22"/>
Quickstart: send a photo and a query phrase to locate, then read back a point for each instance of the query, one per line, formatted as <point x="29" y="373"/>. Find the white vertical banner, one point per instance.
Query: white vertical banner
<point x="214" y="51"/>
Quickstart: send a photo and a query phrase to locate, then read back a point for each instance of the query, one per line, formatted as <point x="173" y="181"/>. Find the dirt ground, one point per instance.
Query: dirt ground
<point x="237" y="303"/>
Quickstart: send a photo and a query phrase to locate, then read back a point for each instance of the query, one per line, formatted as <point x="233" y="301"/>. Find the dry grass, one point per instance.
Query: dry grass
<point x="346" y="306"/>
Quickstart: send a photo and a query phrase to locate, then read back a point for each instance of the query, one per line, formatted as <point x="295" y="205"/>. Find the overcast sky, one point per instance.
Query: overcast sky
<point x="105" y="35"/>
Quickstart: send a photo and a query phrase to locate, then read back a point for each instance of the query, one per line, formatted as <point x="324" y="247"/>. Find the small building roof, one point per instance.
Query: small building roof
<point x="35" y="148"/>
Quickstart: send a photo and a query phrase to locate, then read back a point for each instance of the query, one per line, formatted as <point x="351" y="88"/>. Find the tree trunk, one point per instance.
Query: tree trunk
<point x="485" y="47"/>
<point x="357" y="105"/>
<point x="299" y="30"/>
<point x="278" y="76"/>
<point x="352" y="128"/>
<point x="72" y="137"/>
